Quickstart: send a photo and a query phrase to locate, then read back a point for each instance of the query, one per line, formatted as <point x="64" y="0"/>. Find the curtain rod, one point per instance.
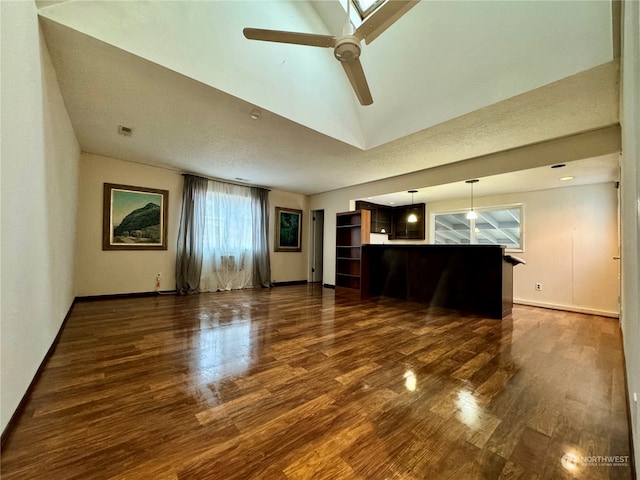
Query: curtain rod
<point x="214" y="179"/>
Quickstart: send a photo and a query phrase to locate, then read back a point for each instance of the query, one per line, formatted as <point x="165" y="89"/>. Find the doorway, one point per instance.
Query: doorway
<point x="317" y="245"/>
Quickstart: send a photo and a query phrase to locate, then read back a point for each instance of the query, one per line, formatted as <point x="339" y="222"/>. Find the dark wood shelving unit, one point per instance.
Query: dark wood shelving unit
<point x="352" y="231"/>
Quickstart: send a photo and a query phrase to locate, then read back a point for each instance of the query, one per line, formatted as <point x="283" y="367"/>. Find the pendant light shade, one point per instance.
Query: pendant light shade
<point x="412" y="218"/>
<point x="472" y="215"/>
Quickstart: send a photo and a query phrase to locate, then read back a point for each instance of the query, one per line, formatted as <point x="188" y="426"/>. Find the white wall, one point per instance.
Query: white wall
<point x="110" y="272"/>
<point x="630" y="181"/>
<point x="39" y="191"/>
<point x="570" y="239"/>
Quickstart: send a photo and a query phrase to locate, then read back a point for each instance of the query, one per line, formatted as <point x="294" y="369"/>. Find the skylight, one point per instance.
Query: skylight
<point x="367" y="7"/>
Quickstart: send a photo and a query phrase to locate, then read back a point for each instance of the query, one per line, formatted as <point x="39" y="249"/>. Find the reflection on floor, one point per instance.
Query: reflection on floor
<point x="298" y="383"/>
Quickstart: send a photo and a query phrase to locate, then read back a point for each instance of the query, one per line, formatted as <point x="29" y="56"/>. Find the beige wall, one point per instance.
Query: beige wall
<point x="110" y="272"/>
<point x="40" y="157"/>
<point x="289" y="266"/>
<point x="570" y="239"/>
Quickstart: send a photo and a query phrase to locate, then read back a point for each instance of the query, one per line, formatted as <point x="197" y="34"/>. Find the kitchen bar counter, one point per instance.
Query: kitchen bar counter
<point x="471" y="278"/>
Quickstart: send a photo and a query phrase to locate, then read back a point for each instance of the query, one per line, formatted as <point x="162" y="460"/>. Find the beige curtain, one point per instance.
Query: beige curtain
<point x="191" y="235"/>
<point x="260" y="214"/>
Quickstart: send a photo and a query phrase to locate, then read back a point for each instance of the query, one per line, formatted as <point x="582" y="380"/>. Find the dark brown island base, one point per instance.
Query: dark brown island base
<point x="471" y="278"/>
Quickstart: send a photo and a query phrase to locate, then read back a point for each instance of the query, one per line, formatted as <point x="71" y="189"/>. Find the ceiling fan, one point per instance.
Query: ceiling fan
<point x="346" y="47"/>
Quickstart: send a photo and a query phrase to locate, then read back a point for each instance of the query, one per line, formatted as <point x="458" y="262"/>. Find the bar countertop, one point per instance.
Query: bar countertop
<point x="471" y="278"/>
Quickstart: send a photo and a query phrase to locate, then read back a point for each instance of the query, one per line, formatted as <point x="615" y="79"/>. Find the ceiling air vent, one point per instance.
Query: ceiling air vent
<point x="126" y="131"/>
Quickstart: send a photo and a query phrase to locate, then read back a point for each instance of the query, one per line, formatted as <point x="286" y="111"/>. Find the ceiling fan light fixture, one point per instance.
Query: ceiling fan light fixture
<point x="347" y="49"/>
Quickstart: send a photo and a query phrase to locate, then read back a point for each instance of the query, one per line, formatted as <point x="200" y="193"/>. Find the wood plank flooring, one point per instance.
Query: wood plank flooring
<point x="298" y="383"/>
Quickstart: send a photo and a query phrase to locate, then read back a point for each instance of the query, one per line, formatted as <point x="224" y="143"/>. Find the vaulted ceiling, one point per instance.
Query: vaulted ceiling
<point x="450" y="81"/>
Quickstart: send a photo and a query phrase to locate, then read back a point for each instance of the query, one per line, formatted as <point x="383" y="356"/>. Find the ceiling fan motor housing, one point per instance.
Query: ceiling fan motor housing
<point x="347" y="48"/>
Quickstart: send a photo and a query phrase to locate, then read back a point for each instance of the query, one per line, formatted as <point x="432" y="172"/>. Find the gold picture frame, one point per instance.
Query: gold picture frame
<point x="134" y="218"/>
<point x="288" y="230"/>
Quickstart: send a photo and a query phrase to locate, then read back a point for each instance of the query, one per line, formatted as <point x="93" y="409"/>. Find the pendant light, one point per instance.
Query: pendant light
<point x="412" y="218"/>
<point x="472" y="215"/>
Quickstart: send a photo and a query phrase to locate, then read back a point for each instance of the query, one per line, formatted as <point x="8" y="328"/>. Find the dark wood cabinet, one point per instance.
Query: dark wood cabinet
<point x="403" y="229"/>
<point x="381" y="216"/>
<point x="352" y="231"/>
<point x="394" y="220"/>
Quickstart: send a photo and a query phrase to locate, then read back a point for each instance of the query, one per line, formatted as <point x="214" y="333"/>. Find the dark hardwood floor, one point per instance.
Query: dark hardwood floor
<point x="298" y="383"/>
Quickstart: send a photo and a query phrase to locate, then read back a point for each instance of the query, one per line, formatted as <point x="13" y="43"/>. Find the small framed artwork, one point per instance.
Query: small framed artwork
<point x="134" y="218"/>
<point x="288" y="230"/>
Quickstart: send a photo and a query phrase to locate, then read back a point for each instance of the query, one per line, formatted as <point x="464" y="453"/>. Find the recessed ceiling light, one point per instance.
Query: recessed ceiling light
<point x="564" y="179"/>
<point x="559" y="165"/>
<point x="392" y="203"/>
<point x="256" y="114"/>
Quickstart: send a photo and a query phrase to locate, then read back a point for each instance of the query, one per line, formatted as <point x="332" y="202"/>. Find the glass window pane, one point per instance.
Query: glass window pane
<point x="452" y="229"/>
<point x="499" y="227"/>
<point x="367" y="7"/>
<point x="494" y="226"/>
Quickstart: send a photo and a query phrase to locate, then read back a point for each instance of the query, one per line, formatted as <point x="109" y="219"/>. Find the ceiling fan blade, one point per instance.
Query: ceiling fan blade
<point x="355" y="74"/>
<point x="309" y="39"/>
<point x="383" y="18"/>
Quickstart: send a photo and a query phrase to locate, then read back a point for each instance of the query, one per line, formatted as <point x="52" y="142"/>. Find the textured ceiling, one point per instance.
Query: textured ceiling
<point x="450" y="81"/>
<point x="601" y="169"/>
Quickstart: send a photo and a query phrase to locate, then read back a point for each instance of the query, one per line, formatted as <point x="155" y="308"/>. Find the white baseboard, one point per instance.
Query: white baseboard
<point x="567" y="308"/>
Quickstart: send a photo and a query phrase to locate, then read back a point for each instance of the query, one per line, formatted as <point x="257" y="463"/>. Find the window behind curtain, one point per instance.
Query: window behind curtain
<point x="228" y="238"/>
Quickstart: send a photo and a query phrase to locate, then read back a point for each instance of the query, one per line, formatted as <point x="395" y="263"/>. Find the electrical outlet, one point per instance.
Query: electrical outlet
<point x="538" y="287"/>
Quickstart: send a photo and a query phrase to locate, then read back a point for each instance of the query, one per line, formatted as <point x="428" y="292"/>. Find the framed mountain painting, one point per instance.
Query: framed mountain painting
<point x="134" y="218"/>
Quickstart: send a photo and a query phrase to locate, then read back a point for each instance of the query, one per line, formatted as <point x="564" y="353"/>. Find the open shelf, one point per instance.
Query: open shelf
<point x="352" y="231"/>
